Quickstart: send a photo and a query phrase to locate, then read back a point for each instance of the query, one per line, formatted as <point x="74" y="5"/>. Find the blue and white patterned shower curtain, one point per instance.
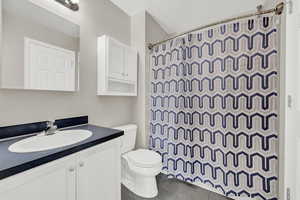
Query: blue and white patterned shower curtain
<point x="214" y="107"/>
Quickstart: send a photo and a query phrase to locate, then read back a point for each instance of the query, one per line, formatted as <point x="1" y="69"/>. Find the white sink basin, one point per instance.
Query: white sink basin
<point x="42" y="143"/>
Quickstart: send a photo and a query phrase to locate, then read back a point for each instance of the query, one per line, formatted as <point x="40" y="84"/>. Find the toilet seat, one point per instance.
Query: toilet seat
<point x="144" y="158"/>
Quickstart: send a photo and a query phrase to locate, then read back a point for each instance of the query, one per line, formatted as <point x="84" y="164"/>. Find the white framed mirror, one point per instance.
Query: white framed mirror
<point x="39" y="48"/>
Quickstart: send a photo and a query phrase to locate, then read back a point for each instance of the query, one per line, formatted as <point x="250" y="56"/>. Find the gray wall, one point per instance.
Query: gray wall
<point x="270" y="3"/>
<point x="138" y="39"/>
<point x="144" y="30"/>
<point x="98" y="17"/>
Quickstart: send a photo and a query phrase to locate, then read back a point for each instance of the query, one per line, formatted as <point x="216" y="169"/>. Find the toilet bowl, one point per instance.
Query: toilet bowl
<point x="139" y="167"/>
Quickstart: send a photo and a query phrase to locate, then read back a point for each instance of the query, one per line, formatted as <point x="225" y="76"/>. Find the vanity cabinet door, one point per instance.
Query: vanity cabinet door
<point x="56" y="180"/>
<point x="99" y="172"/>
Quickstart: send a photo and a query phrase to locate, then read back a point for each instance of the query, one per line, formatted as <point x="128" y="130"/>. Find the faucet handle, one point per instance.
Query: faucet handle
<point x="50" y="123"/>
<point x="51" y="128"/>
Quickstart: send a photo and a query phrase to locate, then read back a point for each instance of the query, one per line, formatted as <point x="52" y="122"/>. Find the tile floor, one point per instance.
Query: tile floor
<point x="172" y="189"/>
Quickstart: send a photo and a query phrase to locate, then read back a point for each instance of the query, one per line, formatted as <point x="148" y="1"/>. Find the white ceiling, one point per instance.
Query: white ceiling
<point x="177" y="16"/>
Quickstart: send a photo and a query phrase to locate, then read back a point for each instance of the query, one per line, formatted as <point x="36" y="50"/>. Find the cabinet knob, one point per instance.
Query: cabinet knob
<point x="72" y="169"/>
<point x="81" y="164"/>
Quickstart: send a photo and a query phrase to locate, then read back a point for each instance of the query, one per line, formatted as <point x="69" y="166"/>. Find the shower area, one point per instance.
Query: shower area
<point x="215" y="105"/>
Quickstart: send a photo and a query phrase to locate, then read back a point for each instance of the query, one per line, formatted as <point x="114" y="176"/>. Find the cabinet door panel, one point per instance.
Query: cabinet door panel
<point x="116" y="60"/>
<point x="48" y="67"/>
<point x="131" y="65"/>
<point x="46" y="183"/>
<point x="99" y="174"/>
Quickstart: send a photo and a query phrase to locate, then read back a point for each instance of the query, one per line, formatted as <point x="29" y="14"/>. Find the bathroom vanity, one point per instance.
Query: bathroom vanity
<point x="86" y="170"/>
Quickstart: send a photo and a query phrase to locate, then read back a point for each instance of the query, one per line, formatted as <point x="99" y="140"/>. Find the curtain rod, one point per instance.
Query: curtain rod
<point x="278" y="10"/>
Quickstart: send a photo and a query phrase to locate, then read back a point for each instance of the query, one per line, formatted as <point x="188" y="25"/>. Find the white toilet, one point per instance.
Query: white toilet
<point x="139" y="167"/>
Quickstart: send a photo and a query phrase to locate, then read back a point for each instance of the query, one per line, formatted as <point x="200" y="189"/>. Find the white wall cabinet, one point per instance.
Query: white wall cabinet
<point x="92" y="174"/>
<point x="117" y="68"/>
<point x="48" y="67"/>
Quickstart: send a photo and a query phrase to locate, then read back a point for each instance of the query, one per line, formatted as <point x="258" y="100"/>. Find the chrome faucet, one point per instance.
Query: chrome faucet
<point x="51" y="128"/>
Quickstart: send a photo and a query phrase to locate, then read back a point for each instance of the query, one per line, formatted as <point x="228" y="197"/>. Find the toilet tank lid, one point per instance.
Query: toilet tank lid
<point x="129" y="127"/>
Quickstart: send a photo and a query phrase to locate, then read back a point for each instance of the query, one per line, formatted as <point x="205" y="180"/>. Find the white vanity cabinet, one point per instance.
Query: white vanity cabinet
<point x="117" y="68"/>
<point x="55" y="180"/>
<point x="92" y="174"/>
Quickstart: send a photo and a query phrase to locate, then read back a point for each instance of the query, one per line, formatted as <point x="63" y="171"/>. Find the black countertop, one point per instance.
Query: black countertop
<point x="14" y="163"/>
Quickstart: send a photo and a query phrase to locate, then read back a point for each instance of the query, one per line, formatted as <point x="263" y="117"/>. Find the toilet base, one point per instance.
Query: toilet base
<point x="140" y="180"/>
<point x="145" y="187"/>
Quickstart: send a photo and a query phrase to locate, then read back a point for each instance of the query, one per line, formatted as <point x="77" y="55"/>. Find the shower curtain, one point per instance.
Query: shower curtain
<point x="214" y="107"/>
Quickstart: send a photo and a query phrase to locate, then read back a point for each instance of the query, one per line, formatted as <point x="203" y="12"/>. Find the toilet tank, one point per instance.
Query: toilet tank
<point x="128" y="139"/>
